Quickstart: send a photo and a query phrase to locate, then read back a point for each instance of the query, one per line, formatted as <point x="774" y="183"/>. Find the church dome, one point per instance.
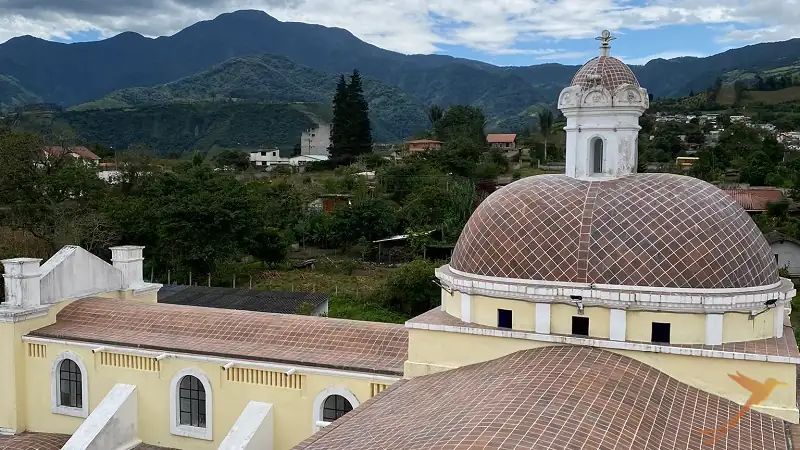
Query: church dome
<point x="607" y="71"/>
<point x="655" y="230"/>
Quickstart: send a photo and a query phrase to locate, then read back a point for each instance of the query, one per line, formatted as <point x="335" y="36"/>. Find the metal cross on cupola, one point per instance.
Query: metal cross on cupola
<point x="605" y="39"/>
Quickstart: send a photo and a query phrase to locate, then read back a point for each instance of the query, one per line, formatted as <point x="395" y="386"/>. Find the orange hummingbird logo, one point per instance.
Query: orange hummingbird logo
<point x="759" y="392"/>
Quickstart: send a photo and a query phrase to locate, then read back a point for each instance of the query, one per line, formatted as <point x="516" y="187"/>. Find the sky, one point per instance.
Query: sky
<point x="502" y="32"/>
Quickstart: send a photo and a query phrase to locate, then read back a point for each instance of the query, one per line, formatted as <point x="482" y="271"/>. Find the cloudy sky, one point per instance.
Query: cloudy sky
<point x="505" y="32"/>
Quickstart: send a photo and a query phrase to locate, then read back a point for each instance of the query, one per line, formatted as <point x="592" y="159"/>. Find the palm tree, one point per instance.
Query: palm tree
<point x="435" y="113"/>
<point x="545" y="124"/>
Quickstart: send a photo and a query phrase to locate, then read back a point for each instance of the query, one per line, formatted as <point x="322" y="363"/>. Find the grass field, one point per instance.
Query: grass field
<point x="726" y="96"/>
<point x="773" y="97"/>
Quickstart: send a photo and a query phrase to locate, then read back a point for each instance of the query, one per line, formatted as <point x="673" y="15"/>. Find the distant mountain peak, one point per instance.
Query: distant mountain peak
<point x="246" y="14"/>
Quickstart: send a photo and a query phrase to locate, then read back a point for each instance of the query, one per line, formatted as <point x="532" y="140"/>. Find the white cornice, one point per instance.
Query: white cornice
<point x="600" y="343"/>
<point x="14" y="315"/>
<point x="216" y="360"/>
<point x="621" y="297"/>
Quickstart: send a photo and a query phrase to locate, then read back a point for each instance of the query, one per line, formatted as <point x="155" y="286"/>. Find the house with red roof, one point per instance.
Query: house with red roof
<point x="502" y="141"/>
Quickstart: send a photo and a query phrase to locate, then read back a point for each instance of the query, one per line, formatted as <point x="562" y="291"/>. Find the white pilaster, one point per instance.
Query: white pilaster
<point x="619" y="324"/>
<point x="543" y="318"/>
<point x="22" y="287"/>
<point x="780" y="315"/>
<point x="714" y="329"/>
<point x="445" y="296"/>
<point x="466" y="307"/>
<point x="129" y="260"/>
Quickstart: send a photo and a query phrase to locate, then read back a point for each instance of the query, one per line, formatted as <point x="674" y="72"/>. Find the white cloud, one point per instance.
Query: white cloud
<point x="418" y="26"/>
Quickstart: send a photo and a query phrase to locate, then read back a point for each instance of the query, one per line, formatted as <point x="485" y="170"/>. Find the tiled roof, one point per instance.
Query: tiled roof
<point x="151" y="447"/>
<point x="423" y="141"/>
<point x="83" y="152"/>
<point x="784" y="346"/>
<point x="654" y="229"/>
<point x="607" y="71"/>
<point x="553" y="398"/>
<point x="500" y="138"/>
<point x="776" y="236"/>
<point x="305" y="340"/>
<point x="244" y="299"/>
<point x="33" y="441"/>
<point x="755" y="199"/>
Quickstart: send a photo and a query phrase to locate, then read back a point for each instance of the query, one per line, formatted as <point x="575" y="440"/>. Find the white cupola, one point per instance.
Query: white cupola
<point x="602" y="106"/>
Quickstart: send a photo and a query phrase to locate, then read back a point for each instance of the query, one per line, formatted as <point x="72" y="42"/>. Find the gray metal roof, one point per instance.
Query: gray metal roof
<point x="241" y="299"/>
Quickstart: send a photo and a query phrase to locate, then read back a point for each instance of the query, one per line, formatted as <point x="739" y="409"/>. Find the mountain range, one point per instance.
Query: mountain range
<point x="192" y="64"/>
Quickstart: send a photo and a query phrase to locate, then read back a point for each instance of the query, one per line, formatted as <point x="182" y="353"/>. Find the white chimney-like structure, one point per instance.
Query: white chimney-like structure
<point x="22" y="285"/>
<point x="129" y="260"/>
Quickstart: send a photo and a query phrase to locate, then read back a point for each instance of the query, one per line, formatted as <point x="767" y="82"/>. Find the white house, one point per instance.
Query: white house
<point x="316" y="140"/>
<point x="267" y="157"/>
<point x="786" y="251"/>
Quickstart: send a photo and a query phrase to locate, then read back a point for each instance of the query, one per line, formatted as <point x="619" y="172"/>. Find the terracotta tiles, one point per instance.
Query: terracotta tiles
<point x="784" y="346"/>
<point x="554" y="398"/>
<point x="151" y="447"/>
<point x="657" y="230"/>
<point x="612" y="72"/>
<point x="33" y="441"/>
<point x="307" y="340"/>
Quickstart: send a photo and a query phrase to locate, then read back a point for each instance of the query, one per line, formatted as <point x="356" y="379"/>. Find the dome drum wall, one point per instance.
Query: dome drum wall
<point x="701" y="301"/>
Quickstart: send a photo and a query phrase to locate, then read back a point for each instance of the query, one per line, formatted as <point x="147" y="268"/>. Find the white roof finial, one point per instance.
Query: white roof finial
<point x="605" y="38"/>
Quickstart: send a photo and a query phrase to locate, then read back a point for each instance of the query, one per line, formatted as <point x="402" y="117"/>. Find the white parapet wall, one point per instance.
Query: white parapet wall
<point x="112" y="425"/>
<point x="253" y="430"/>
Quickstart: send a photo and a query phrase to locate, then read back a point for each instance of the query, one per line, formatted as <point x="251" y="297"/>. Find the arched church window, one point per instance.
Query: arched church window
<point x="335" y="407"/>
<point x="192" y="402"/>
<point x="597" y="155"/>
<point x="70" y="385"/>
<point x="69" y="393"/>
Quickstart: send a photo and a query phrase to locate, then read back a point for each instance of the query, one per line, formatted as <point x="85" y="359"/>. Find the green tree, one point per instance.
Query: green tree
<point x="52" y="195"/>
<point x="435" y="114"/>
<point x="351" y="131"/>
<point x="460" y="121"/>
<point x="369" y="218"/>
<point x="341" y="123"/>
<point x="545" y="118"/>
<point x="410" y="289"/>
<point x="362" y="129"/>
<point x="269" y="245"/>
<point x="233" y="159"/>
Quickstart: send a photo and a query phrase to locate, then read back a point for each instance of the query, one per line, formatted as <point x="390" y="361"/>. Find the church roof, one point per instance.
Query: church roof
<point x="655" y="230"/>
<point x="559" y="397"/>
<point x="33" y="441"/>
<point x="607" y="71"/>
<point x="305" y="340"/>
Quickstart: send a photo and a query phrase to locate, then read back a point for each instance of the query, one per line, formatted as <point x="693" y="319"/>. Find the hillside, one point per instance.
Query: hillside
<point x="169" y="127"/>
<point x="395" y="115"/>
<point x="129" y="60"/>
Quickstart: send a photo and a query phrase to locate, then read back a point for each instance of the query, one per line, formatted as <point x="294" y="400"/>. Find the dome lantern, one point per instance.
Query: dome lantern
<point x="602" y="105"/>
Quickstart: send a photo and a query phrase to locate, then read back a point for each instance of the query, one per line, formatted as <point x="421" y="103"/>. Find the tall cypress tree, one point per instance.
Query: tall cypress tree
<point x="340" y="126"/>
<point x="361" y="137"/>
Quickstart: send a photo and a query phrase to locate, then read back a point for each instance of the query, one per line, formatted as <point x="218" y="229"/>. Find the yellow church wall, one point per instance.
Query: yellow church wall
<point x="561" y="320"/>
<point x="738" y="327"/>
<point x="13" y="376"/>
<point x="484" y="312"/>
<point x="435" y="351"/>
<point x="452" y="303"/>
<point x="293" y="408"/>
<point x="685" y="328"/>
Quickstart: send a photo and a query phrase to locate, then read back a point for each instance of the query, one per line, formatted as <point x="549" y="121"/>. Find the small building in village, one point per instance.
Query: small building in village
<point x="502" y="141"/>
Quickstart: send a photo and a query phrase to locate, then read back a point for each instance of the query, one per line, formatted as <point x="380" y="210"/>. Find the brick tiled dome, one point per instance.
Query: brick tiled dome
<point x="657" y="230"/>
<point x="606" y="70"/>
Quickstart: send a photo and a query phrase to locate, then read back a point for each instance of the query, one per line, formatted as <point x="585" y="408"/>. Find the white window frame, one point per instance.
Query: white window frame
<point x="55" y="387"/>
<point x="175" y="426"/>
<point x="319" y="403"/>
